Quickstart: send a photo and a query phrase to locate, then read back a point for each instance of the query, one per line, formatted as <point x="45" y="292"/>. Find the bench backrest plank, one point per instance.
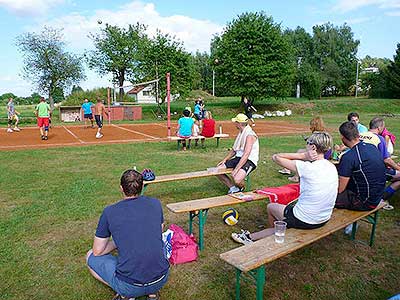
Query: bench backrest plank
<point x="193" y="205"/>
<point x="251" y="256"/>
<point x="217" y="135"/>
<point x="190" y="175"/>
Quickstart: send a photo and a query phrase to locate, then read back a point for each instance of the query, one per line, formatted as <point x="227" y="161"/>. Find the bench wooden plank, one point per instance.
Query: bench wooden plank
<point x="207" y="203"/>
<point x="190" y="175"/>
<point x="217" y="135"/>
<point x="251" y="256"/>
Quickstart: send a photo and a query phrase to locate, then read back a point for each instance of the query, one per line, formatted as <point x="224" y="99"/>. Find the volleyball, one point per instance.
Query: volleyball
<point x="230" y="216"/>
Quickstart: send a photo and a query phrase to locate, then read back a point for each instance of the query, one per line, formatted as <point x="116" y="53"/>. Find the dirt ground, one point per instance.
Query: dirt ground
<point x="77" y="135"/>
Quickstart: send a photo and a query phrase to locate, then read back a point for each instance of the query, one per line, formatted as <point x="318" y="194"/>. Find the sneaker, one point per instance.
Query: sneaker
<point x="119" y="297"/>
<point x="99" y="136"/>
<point x="242" y="238"/>
<point x="388" y="207"/>
<point x="294" y="178"/>
<point x="46" y="137"/>
<point x="284" y="171"/>
<point x="10" y="130"/>
<point x="234" y="189"/>
<point x="349" y="229"/>
<point x="42" y="137"/>
<point x="16" y="129"/>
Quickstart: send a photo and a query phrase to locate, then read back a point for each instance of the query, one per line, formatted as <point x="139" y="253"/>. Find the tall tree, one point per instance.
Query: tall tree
<point x="393" y="75"/>
<point x="252" y="57"/>
<point x="118" y="51"/>
<point x="203" y="69"/>
<point x="165" y="54"/>
<point x="335" y="50"/>
<point x="47" y="64"/>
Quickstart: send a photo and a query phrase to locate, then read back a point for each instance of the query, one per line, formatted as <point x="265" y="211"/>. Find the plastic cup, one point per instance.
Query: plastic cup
<point x="280" y="229"/>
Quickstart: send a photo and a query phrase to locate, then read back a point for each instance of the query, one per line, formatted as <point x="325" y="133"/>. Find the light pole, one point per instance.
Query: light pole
<point x="298" y="83"/>
<point x="358" y="62"/>
<point x="213" y="77"/>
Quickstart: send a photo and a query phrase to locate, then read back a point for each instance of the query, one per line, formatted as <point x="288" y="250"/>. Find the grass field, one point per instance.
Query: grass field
<point x="50" y="201"/>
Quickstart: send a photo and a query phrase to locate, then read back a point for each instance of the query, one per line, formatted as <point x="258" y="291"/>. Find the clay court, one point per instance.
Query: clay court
<point x="77" y="135"/>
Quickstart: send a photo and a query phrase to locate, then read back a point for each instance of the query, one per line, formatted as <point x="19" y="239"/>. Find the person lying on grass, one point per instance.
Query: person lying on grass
<point x="318" y="190"/>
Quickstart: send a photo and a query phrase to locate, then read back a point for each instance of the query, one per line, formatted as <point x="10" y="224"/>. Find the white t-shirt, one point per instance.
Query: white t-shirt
<point x="318" y="190"/>
<point x="196" y="130"/>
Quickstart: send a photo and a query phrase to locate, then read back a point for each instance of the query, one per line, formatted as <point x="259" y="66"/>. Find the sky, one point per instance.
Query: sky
<point x="375" y="23"/>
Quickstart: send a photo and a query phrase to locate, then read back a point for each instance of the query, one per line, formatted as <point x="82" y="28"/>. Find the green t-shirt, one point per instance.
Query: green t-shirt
<point x="43" y="110"/>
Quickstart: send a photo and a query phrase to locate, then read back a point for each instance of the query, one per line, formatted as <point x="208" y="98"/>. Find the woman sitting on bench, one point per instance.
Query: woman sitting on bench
<point x="318" y="190"/>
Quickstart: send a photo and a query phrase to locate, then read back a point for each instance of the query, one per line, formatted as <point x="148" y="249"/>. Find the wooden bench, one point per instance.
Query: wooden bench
<point x="192" y="175"/>
<point x="216" y="136"/>
<point x="199" y="208"/>
<point x="251" y="258"/>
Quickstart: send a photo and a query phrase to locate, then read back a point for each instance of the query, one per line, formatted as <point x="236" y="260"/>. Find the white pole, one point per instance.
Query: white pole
<point x="357" y="79"/>
<point x="213" y="78"/>
<point x="298" y="83"/>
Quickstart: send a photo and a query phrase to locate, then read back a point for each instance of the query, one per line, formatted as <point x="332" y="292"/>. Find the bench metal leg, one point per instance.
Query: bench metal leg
<point x="143" y="189"/>
<point x="179" y="143"/>
<point x="248" y="183"/>
<point x="217" y="142"/>
<point x="259" y="277"/>
<point x="371" y="219"/>
<point x="237" y="288"/>
<point x="353" y="231"/>
<point x="202" y="216"/>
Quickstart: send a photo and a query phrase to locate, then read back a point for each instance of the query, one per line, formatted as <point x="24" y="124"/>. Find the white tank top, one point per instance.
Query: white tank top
<point x="254" y="153"/>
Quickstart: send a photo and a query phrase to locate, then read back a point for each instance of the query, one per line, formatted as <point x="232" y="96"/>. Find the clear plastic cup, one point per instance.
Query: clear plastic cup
<point x="280" y="229"/>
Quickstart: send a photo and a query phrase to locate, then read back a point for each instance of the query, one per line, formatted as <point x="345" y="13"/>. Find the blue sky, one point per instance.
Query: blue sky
<point x="375" y="23"/>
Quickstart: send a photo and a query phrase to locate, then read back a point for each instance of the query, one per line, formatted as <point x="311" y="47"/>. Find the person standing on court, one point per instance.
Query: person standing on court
<point x="99" y="111"/>
<point x="87" y="111"/>
<point x="12" y="115"/>
<point x="243" y="157"/>
<point x="43" y="114"/>
<point x="133" y="226"/>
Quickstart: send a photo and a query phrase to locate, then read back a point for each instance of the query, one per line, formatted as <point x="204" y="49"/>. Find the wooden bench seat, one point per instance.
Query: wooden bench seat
<point x="251" y="258"/>
<point x="216" y="136"/>
<point x="192" y="175"/>
<point x="199" y="208"/>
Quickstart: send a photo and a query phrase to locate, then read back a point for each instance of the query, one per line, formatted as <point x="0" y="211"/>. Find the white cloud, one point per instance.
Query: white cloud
<point x="346" y="5"/>
<point x="393" y="13"/>
<point x="196" y="34"/>
<point x="29" y="7"/>
<point x="357" y="20"/>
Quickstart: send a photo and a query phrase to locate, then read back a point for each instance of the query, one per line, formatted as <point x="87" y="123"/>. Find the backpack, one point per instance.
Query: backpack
<point x="148" y="175"/>
<point x="184" y="247"/>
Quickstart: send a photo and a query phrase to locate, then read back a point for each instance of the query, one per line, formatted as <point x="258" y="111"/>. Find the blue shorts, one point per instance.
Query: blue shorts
<point x="88" y="116"/>
<point x="106" y="265"/>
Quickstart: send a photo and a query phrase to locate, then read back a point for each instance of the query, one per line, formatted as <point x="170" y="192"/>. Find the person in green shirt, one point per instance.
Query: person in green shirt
<point x="43" y="113"/>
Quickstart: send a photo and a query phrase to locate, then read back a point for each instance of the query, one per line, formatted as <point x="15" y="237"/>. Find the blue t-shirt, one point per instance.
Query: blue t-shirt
<point x="197" y="109"/>
<point x="87" y="110"/>
<point x="361" y="128"/>
<point x="135" y="226"/>
<point x="185" y="126"/>
<point x="364" y="165"/>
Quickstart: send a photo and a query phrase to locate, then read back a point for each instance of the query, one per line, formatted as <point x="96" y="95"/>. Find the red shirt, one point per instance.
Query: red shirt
<point x="208" y="128"/>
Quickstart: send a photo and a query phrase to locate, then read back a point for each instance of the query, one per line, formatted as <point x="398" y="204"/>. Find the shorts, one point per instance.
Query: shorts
<point x="349" y="200"/>
<point x="293" y="222"/>
<point x="391" y="174"/>
<point x="248" y="167"/>
<point x="88" y="116"/>
<point x="99" y="121"/>
<point x="43" y="121"/>
<point x="249" y="114"/>
<point x="197" y="117"/>
<point x="106" y="265"/>
<point x="12" y="118"/>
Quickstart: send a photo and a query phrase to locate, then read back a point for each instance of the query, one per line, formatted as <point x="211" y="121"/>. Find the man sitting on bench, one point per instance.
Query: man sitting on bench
<point x="318" y="190"/>
<point x="243" y="157"/>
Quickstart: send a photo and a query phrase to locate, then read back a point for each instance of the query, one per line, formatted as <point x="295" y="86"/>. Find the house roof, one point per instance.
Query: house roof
<point x="136" y="89"/>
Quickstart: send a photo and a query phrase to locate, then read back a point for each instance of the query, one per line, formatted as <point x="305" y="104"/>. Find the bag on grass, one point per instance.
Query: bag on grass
<point x="184" y="247"/>
<point x="281" y="194"/>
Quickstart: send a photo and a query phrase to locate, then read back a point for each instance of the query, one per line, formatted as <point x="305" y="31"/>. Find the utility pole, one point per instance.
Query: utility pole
<point x="298" y="83"/>
<point x="357" y="78"/>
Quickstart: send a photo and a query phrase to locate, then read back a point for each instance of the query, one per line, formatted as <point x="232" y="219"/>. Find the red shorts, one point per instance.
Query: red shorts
<point x="42" y="122"/>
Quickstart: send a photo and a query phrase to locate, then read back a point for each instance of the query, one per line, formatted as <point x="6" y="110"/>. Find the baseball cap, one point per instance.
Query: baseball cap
<point x="241" y="118"/>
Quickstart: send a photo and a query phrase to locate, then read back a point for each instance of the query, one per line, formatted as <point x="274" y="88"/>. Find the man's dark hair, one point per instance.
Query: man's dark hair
<point x="349" y="131"/>
<point x="376" y="123"/>
<point x="186" y="112"/>
<point x="352" y="114"/>
<point x="132" y="183"/>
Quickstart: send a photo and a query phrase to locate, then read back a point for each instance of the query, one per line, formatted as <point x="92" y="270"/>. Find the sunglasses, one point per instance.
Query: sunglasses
<point x="309" y="143"/>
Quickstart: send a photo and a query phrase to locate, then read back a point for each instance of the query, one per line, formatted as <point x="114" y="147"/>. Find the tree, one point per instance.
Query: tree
<point x="251" y="58"/>
<point x="47" y="64"/>
<point x="202" y="71"/>
<point x="119" y="52"/>
<point x="392" y="75"/>
<point x="165" y="54"/>
<point x="335" y="50"/>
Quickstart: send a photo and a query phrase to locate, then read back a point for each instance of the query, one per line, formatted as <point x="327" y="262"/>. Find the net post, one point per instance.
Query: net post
<point x="109" y="109"/>
<point x="168" y="105"/>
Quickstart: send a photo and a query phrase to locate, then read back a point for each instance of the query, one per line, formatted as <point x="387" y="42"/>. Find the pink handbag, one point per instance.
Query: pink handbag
<point x="184" y="247"/>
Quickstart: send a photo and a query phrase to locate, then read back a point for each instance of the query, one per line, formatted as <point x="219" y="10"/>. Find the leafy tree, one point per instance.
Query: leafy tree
<point x="335" y="50"/>
<point x="202" y="71"/>
<point x="47" y="64"/>
<point x="76" y="88"/>
<point x="392" y="75"/>
<point x="118" y="51"/>
<point x="252" y="58"/>
<point x="165" y="54"/>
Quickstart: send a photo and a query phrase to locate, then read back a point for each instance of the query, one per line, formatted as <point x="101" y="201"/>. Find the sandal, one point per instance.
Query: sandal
<point x="284" y="171"/>
<point x="294" y="178"/>
<point x="388" y="207"/>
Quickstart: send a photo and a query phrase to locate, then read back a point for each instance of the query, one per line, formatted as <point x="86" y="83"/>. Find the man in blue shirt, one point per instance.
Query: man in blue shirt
<point x="361" y="172"/>
<point x="87" y="111"/>
<point x="353" y="116"/>
<point x="133" y="226"/>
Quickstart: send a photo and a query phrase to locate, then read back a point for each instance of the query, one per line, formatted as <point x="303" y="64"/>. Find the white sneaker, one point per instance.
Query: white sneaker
<point x="99" y="136"/>
<point x="16" y="129"/>
<point x="233" y="189"/>
<point x="349" y="229"/>
<point x="242" y="238"/>
<point x="9" y="130"/>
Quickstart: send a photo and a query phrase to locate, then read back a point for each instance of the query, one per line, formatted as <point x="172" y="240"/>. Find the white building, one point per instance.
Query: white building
<point x="143" y="94"/>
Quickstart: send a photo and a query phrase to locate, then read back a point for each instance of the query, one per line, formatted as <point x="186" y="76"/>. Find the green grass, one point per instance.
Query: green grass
<point x="50" y="201"/>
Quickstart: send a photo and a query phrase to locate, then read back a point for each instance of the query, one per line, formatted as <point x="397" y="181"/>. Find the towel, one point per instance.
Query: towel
<point x="281" y="194"/>
<point x="240" y="141"/>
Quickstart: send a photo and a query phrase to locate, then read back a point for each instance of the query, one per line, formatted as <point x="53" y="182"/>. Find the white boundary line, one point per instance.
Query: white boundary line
<point x="73" y="134"/>
<point x="137" y="132"/>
